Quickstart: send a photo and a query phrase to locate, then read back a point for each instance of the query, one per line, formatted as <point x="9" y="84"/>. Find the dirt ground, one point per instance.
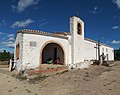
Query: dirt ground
<point x="96" y="80"/>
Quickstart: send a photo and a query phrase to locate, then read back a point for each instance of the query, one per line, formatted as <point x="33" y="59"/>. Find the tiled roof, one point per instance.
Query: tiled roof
<point x="87" y="39"/>
<point x="55" y="34"/>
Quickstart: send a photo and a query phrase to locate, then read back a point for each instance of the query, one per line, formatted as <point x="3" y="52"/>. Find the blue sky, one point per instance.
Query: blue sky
<point x="101" y="18"/>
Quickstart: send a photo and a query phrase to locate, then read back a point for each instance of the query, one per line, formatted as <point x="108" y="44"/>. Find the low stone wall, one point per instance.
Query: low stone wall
<point x="80" y="65"/>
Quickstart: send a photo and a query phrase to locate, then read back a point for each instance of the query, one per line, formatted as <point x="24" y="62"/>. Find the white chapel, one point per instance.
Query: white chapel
<point x="34" y="47"/>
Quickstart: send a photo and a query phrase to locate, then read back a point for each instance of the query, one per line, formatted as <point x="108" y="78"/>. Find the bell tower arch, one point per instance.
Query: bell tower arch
<point x="79" y="28"/>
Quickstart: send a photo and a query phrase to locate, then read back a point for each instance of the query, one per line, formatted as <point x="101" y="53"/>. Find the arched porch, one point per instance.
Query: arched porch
<point x="52" y="50"/>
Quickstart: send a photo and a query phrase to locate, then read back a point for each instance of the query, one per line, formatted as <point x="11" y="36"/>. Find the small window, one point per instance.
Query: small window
<point x="33" y="44"/>
<point x="79" y="29"/>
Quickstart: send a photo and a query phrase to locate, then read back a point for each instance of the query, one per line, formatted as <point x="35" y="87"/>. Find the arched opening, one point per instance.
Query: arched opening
<point x="52" y="51"/>
<point x="17" y="51"/>
<point x="79" y="29"/>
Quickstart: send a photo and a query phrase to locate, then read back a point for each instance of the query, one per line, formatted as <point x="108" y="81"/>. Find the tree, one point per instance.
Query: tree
<point x="5" y="56"/>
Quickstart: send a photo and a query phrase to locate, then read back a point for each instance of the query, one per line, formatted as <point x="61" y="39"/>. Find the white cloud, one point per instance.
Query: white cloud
<point x="10" y="44"/>
<point x="2" y="23"/>
<point x="1" y="49"/>
<point x="117" y="2"/>
<point x="115" y="27"/>
<point x="1" y="33"/>
<point x="10" y="35"/>
<point x="11" y="39"/>
<point x="23" y="4"/>
<point x="22" y="23"/>
<point x="95" y="8"/>
<point x="44" y="23"/>
<point x="115" y="42"/>
<point x="94" y="11"/>
<point x="13" y="7"/>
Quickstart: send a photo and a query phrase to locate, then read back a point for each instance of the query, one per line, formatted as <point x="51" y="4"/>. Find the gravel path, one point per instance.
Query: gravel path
<point x="96" y="80"/>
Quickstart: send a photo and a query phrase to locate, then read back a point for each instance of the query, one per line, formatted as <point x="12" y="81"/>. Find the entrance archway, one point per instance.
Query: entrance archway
<point x="53" y="51"/>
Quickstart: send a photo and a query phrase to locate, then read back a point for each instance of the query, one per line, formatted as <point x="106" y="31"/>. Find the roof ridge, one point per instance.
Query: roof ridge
<point x="42" y="33"/>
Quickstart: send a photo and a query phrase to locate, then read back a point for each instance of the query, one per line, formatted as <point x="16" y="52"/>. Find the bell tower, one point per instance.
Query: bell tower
<point x="77" y="26"/>
<point x="77" y="39"/>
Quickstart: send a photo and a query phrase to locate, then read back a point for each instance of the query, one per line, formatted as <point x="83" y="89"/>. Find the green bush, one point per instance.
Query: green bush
<point x="5" y="56"/>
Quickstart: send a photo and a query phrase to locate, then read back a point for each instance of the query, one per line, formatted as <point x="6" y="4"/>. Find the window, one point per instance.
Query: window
<point x="79" y="29"/>
<point x="33" y="44"/>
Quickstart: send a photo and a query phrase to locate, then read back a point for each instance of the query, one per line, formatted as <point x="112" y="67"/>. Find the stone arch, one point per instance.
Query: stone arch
<point x="53" y="45"/>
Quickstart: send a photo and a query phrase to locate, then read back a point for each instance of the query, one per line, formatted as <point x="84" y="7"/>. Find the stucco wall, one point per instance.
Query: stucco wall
<point x="19" y="40"/>
<point x="32" y="54"/>
<point x="107" y="51"/>
<point x="77" y="41"/>
<point x="90" y="51"/>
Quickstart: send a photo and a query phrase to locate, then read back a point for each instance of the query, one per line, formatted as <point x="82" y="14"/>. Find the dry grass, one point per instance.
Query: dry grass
<point x="2" y="63"/>
<point x="38" y="78"/>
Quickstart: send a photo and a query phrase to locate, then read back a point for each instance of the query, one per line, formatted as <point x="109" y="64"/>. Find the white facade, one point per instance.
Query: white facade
<point x="35" y="47"/>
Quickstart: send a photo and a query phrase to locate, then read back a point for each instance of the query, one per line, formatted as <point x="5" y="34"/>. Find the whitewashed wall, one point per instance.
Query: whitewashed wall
<point x="77" y="41"/>
<point x="90" y="51"/>
<point x="92" y="54"/>
<point x="107" y="51"/>
<point x="19" y="40"/>
<point x="31" y="54"/>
